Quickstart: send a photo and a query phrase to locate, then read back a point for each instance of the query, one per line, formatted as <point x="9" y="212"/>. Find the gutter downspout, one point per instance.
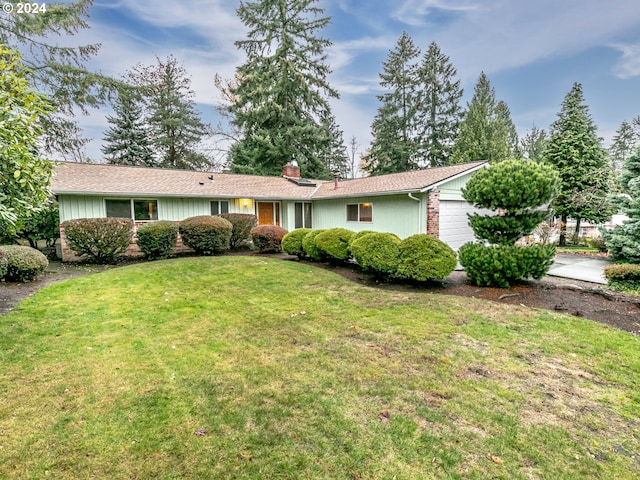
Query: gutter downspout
<point x="410" y="195"/>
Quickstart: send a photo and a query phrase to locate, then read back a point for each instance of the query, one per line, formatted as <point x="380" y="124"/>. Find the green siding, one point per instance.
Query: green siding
<point x="452" y="189"/>
<point x="397" y="214"/>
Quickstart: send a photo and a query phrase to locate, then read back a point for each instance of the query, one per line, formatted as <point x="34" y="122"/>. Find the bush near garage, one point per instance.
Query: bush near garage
<point x="23" y="264"/>
<point x="423" y="258"/>
<point x="377" y="253"/>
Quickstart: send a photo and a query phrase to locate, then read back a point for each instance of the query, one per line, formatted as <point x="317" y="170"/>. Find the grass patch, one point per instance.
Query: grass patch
<point x="246" y="367"/>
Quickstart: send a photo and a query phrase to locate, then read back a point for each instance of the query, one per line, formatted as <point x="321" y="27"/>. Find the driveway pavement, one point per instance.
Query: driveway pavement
<point x="578" y="267"/>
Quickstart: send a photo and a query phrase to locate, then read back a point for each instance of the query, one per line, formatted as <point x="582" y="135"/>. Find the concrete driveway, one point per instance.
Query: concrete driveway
<point x="578" y="267"/>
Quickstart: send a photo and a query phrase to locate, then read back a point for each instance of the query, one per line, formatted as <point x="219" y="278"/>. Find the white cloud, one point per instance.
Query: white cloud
<point x="629" y="64"/>
<point x="416" y="12"/>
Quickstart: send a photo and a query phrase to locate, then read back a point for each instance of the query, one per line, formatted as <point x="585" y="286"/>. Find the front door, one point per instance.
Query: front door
<point x="268" y="213"/>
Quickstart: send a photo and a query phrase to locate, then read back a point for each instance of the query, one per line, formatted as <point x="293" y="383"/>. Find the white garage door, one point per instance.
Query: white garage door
<point x="454" y="227"/>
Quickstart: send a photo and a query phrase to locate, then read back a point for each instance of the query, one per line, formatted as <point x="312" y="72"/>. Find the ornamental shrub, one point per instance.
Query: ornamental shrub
<point x="292" y="242"/>
<point x="23" y="264"/>
<point x="335" y="243"/>
<point x="42" y="225"/>
<point x="502" y="265"/>
<point x="623" y="276"/>
<point x="242" y="224"/>
<point x="377" y="253"/>
<point x="423" y="257"/>
<point x="311" y="249"/>
<point x="268" y="238"/>
<point x="101" y="240"/>
<point x="157" y="239"/>
<point x="357" y="235"/>
<point x="206" y="234"/>
<point x="3" y="264"/>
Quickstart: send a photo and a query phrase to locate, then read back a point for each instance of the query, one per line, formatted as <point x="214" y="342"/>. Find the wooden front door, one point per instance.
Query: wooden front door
<point x="268" y="213"/>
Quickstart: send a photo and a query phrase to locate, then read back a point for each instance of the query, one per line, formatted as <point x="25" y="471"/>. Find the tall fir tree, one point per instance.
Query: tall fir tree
<point x="438" y="112"/>
<point x="126" y="140"/>
<point x="281" y="99"/>
<point x="625" y="143"/>
<point x="574" y="149"/>
<point x="485" y="128"/>
<point x="395" y="146"/>
<point x="533" y="144"/>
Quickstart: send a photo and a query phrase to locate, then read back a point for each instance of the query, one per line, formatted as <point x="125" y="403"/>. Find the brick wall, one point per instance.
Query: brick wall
<point x="433" y="214"/>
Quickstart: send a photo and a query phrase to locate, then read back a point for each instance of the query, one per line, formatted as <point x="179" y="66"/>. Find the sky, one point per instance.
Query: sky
<point x="531" y="50"/>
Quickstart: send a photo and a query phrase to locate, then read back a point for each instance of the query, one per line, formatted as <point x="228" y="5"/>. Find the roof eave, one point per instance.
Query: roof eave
<point x="454" y="177"/>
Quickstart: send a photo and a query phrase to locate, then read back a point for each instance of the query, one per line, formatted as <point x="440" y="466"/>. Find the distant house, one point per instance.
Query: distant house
<point x="420" y="201"/>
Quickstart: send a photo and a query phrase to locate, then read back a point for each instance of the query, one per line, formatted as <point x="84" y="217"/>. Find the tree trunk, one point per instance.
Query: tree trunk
<point x="576" y="233"/>
<point x="563" y="231"/>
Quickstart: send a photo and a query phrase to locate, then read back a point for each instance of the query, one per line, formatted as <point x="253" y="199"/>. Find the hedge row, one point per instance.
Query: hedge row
<point x="417" y="258"/>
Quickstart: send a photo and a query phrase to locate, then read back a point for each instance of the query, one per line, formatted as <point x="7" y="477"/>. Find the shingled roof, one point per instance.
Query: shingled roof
<point x="100" y="179"/>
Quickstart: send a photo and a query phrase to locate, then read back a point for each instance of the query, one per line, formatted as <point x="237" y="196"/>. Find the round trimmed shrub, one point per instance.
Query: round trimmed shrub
<point x="206" y="234"/>
<point x="157" y="239"/>
<point x="357" y="235"/>
<point x="101" y="240"/>
<point x="310" y="248"/>
<point x="242" y="224"/>
<point x="423" y="258"/>
<point x="502" y="265"/>
<point x="23" y="263"/>
<point x="268" y="238"/>
<point x="3" y="264"/>
<point x="335" y="243"/>
<point x="292" y="242"/>
<point x="377" y="253"/>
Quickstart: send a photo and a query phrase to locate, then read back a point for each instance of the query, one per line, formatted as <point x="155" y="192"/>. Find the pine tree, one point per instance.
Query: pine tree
<point x="574" y="149"/>
<point x="485" y="128"/>
<point x="439" y="112"/>
<point x="395" y="146"/>
<point x="337" y="161"/>
<point x="625" y="142"/>
<point x="533" y="144"/>
<point x="126" y="140"/>
<point x="282" y="91"/>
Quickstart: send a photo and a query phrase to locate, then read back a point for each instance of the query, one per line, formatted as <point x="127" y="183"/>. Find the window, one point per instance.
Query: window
<point x="145" y="210"/>
<point x="118" y="208"/>
<point x="303" y="215"/>
<point x="360" y="212"/>
<point x="219" y="206"/>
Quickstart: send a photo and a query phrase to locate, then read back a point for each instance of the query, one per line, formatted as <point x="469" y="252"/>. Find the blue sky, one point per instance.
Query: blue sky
<point x="531" y="50"/>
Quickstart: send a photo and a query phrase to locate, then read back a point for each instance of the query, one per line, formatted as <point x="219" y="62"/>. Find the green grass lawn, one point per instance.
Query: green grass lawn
<point x="246" y="367"/>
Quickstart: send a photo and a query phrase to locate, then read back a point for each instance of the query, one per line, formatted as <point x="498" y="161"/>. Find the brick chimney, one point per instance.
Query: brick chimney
<point x="291" y="170"/>
<point x="336" y="176"/>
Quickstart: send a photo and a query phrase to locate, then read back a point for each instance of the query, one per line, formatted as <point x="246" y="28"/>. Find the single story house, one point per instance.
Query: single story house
<point x="420" y="201"/>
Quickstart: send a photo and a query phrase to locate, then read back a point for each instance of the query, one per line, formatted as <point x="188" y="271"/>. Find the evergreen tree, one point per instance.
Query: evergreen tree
<point x="574" y="149"/>
<point x="439" y="112"/>
<point x="395" y="146"/>
<point x="126" y="140"/>
<point x="174" y="125"/>
<point x="282" y="91"/>
<point x="485" y="128"/>
<point x="623" y="241"/>
<point x="505" y="126"/>
<point x="625" y="142"/>
<point x="337" y="161"/>
<point x="533" y="144"/>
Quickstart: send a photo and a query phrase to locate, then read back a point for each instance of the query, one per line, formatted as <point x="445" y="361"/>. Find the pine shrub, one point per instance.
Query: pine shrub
<point x="357" y="235"/>
<point x="292" y="242"/>
<point x="335" y="243"/>
<point x="311" y="249"/>
<point x="242" y="224"/>
<point x="423" y="257"/>
<point x="268" y="238"/>
<point x="377" y="253"/>
<point x="623" y="276"/>
<point x="23" y="264"/>
<point x="101" y="240"/>
<point x="157" y="239"/>
<point x="206" y="234"/>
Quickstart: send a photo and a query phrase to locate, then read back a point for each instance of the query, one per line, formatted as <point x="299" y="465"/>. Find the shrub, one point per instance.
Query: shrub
<point x="206" y="234"/>
<point x="102" y="240"/>
<point x="292" y="242"/>
<point x="357" y="235"/>
<point x="310" y="248"/>
<point x="423" y="257"/>
<point x="598" y="242"/>
<point x="242" y="224"/>
<point x="3" y="264"/>
<point x="502" y="265"/>
<point x="23" y="263"/>
<point x="268" y="238"/>
<point x="623" y="276"/>
<point x="335" y="243"/>
<point x="377" y="253"/>
<point x="157" y="239"/>
<point x="42" y="225"/>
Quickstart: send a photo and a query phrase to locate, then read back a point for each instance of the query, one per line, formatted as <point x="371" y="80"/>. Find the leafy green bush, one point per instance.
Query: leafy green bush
<point x="102" y="240"/>
<point x="623" y="276"/>
<point x="377" y="253"/>
<point x="3" y="264"/>
<point x="502" y="265"/>
<point x="157" y="239"/>
<point x="311" y="249"/>
<point x="335" y="243"/>
<point x="242" y="224"/>
<point x="206" y="234"/>
<point x="23" y="263"/>
<point x="268" y="238"/>
<point x="292" y="242"/>
<point x="423" y="257"/>
<point x="42" y="225"/>
<point x="597" y="242"/>
<point x="357" y="235"/>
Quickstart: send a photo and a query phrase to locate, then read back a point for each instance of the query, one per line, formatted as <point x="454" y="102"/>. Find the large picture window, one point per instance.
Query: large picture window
<point x="118" y="208"/>
<point x="143" y="210"/>
<point x="360" y="212"/>
<point x="219" y="206"/>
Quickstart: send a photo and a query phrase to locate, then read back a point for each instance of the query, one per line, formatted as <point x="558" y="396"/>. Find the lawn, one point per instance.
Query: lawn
<point x="246" y="367"/>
